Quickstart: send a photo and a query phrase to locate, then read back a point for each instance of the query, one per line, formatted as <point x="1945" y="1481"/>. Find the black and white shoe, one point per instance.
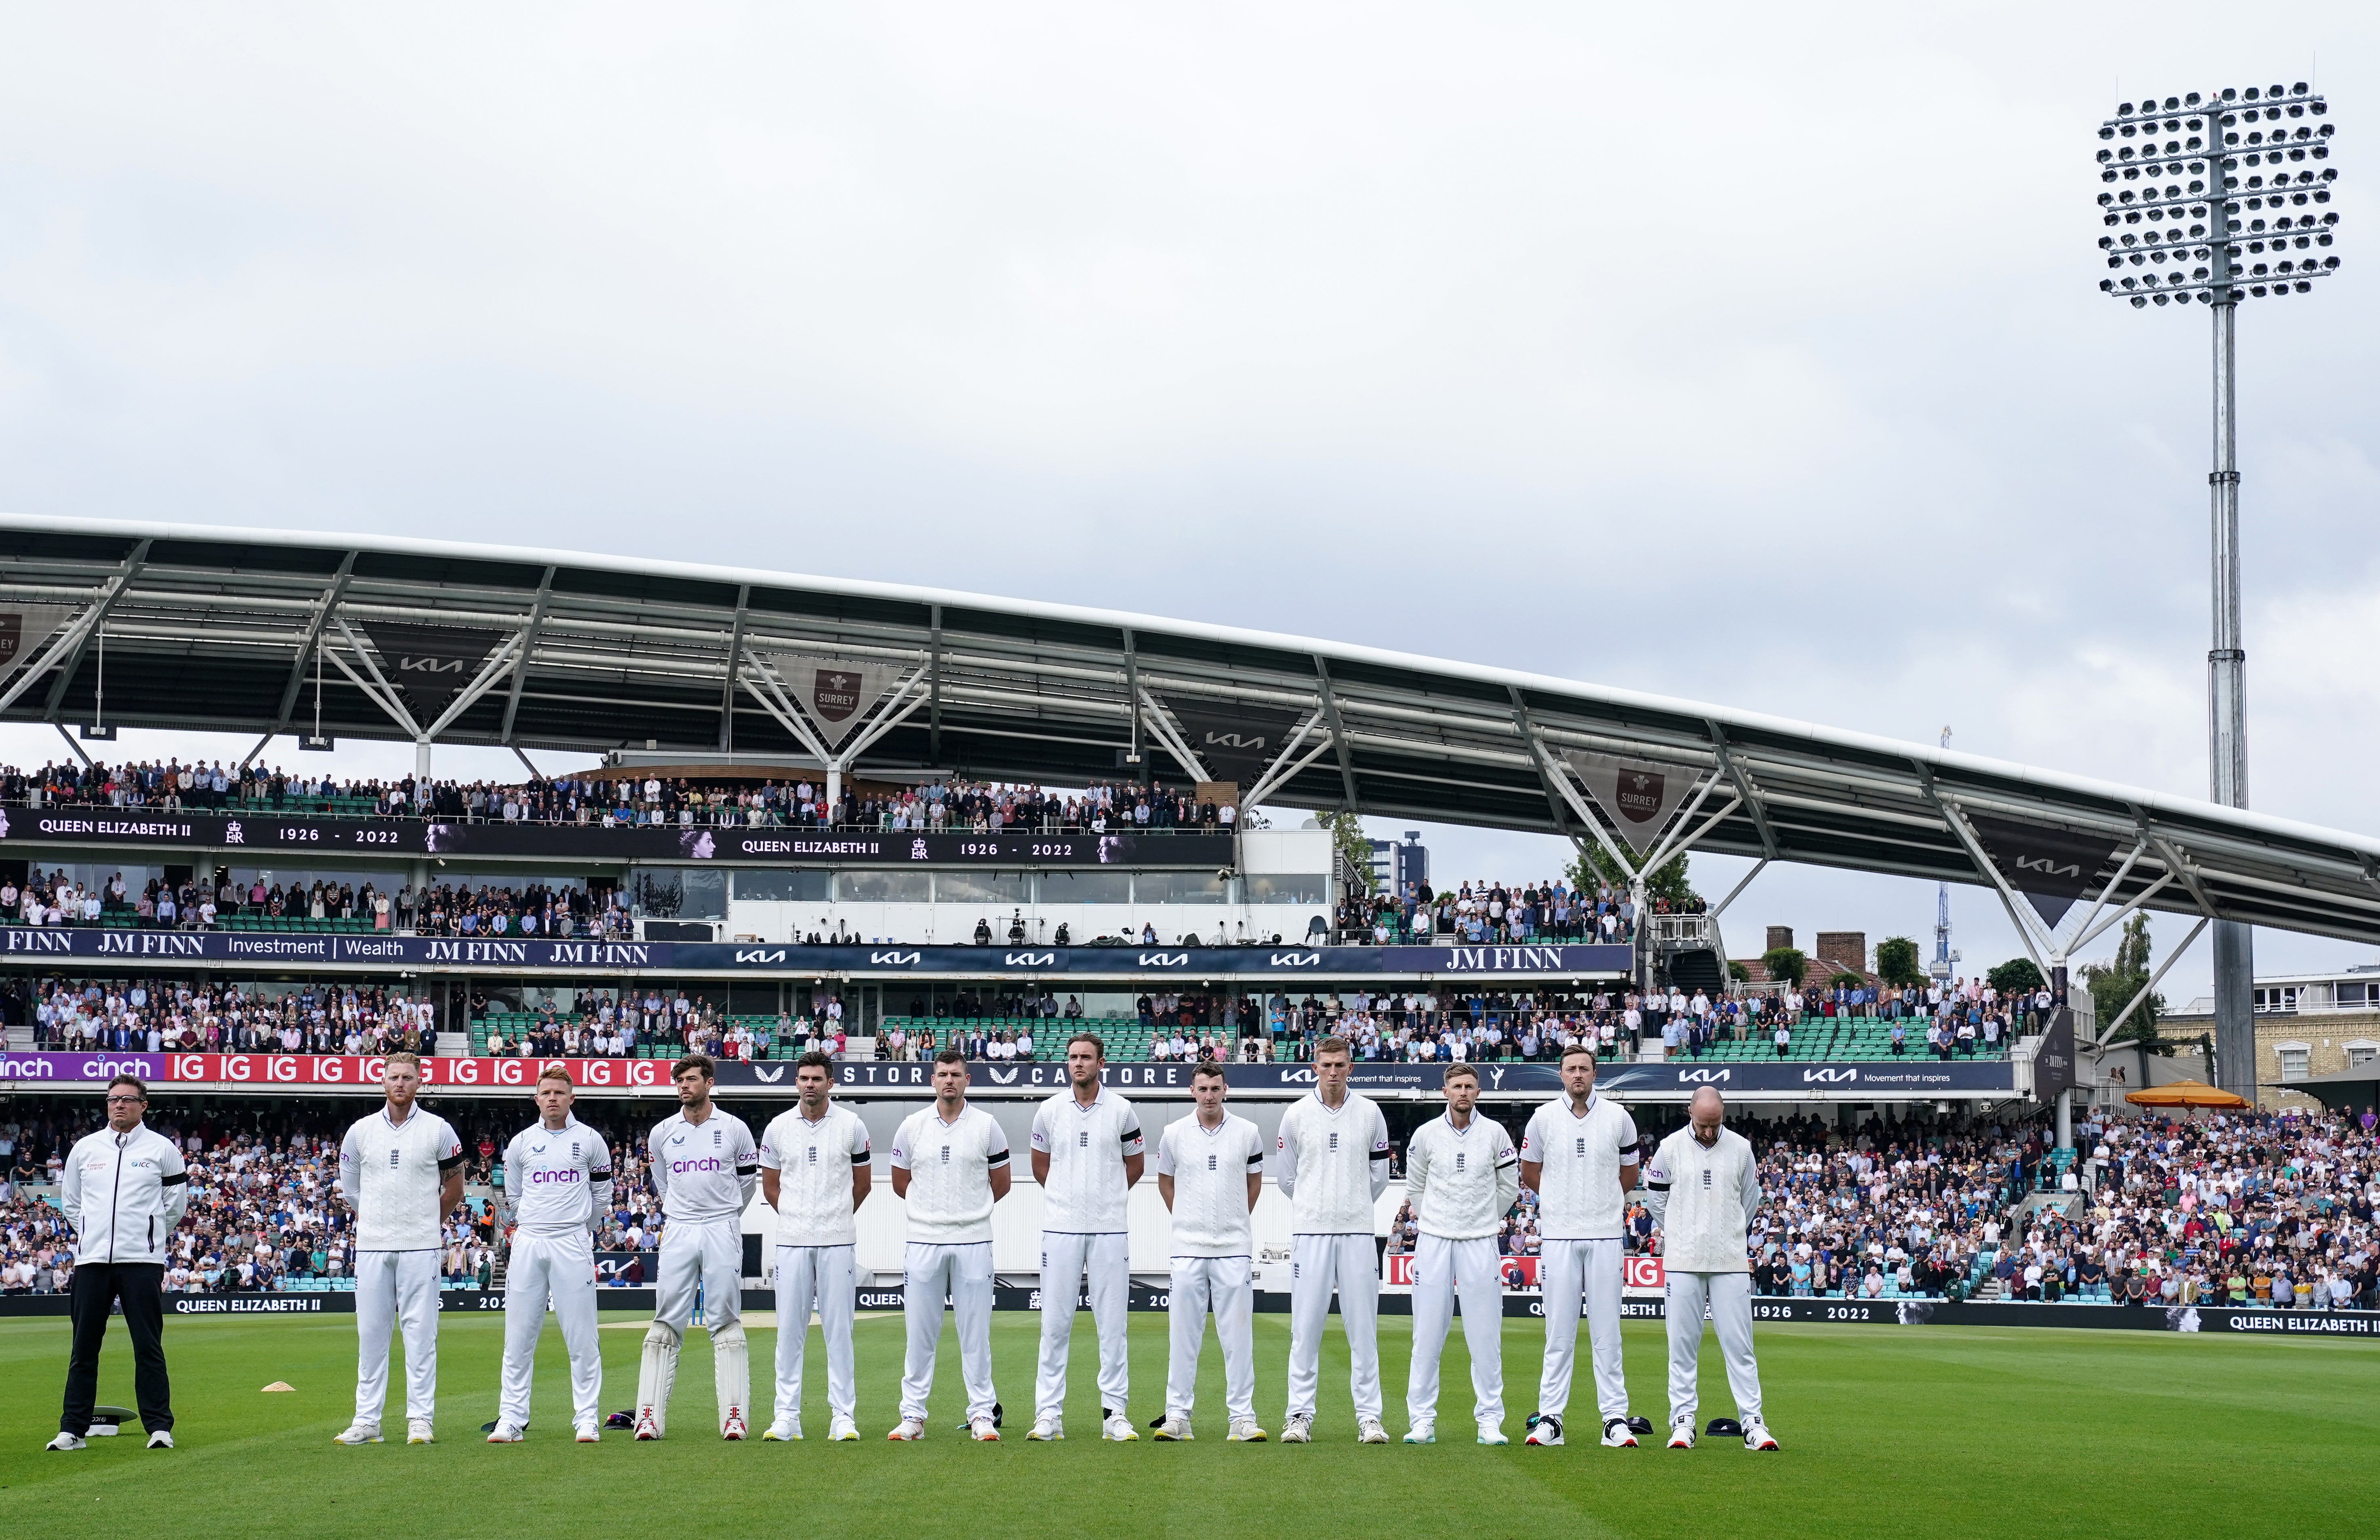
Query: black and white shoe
<point x="1618" y="1435"/>
<point x="1757" y="1437"/>
<point x="1545" y="1428"/>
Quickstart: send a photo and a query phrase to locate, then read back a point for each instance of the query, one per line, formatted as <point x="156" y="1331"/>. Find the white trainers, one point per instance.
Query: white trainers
<point x="731" y="1427"/>
<point x="1245" y="1433"/>
<point x="648" y="1424"/>
<point x="1046" y="1430"/>
<point x="359" y="1433"/>
<point x="418" y="1431"/>
<point x="1298" y="1428"/>
<point x="983" y="1430"/>
<point x="908" y="1431"/>
<point x="1757" y="1437"/>
<point x="1618" y="1435"/>
<point x="1422" y="1432"/>
<point x="504" y="1433"/>
<point x="1681" y="1434"/>
<point x="1175" y="1429"/>
<point x="843" y="1430"/>
<point x="1369" y="1431"/>
<point x="66" y="1442"/>
<point x="161" y="1440"/>
<point x="1492" y="1433"/>
<point x="589" y="1433"/>
<point x="782" y="1432"/>
<point x="1117" y="1430"/>
<point x="1545" y="1428"/>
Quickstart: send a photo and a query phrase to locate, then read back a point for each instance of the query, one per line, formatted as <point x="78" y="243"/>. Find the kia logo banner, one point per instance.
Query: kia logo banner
<point x="23" y="629"/>
<point x="430" y="664"/>
<point x="2053" y="1064"/>
<point x="836" y="693"/>
<point x="1638" y="796"/>
<point x="1235" y="742"/>
<point x="2050" y="867"/>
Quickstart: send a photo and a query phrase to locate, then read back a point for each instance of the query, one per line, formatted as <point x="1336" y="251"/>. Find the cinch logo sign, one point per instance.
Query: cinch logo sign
<point x="704" y="1163"/>
<point x="536" y="1177"/>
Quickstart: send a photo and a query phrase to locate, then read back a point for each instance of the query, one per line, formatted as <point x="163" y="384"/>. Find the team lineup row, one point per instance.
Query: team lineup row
<point x="401" y="1170"/>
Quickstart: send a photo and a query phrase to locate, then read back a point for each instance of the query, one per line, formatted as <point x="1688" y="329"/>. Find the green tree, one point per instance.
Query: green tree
<point x="1896" y="963"/>
<point x="1347" y="833"/>
<point x="1846" y="980"/>
<point x="2113" y="985"/>
<point x="1595" y="867"/>
<point x="1785" y="964"/>
<point x="2017" y="976"/>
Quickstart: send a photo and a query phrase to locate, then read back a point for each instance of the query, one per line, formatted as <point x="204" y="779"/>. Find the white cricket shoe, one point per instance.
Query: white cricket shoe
<point x="1681" y="1434"/>
<point x="66" y="1442"/>
<point x="1046" y="1430"/>
<point x="1757" y="1437"/>
<point x="1545" y="1428"/>
<point x="359" y="1433"/>
<point x="983" y="1431"/>
<point x="843" y="1430"/>
<point x="783" y="1431"/>
<point x="1618" y="1435"/>
<point x="1422" y="1432"/>
<point x="648" y="1424"/>
<point x="1245" y="1433"/>
<point x="1492" y="1433"/>
<point x="589" y="1431"/>
<point x="504" y="1433"/>
<point x="1369" y="1431"/>
<point x="161" y="1440"/>
<point x="1298" y="1428"/>
<point x="418" y="1431"/>
<point x="1175" y="1429"/>
<point x="1117" y="1430"/>
<point x="731" y="1427"/>
<point x="908" y="1431"/>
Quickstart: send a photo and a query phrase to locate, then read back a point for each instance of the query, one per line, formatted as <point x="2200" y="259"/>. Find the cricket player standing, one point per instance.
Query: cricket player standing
<point x="1332" y="1161"/>
<point x="1579" y="1156"/>
<point x="815" y="1173"/>
<point x="1703" y="1188"/>
<point x="401" y="1171"/>
<point x="950" y="1163"/>
<point x="1210" y="1172"/>
<point x="558" y="1178"/>
<point x="1087" y="1152"/>
<point x="1462" y="1175"/>
<point x="704" y="1167"/>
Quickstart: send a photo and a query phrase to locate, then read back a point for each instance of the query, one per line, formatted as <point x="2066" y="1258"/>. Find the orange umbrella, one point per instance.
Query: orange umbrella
<point x="2186" y="1093"/>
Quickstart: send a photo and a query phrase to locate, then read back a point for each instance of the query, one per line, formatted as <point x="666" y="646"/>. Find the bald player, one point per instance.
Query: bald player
<point x="1703" y="1187"/>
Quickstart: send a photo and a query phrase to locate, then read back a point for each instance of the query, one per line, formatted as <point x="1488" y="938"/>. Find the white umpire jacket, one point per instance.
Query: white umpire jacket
<point x="124" y="1194"/>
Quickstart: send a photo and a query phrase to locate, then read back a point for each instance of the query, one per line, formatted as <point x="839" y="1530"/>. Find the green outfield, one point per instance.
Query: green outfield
<point x="1887" y="1431"/>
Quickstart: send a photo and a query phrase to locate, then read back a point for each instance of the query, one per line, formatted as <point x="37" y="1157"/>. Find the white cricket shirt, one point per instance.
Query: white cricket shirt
<point x="1704" y="1197"/>
<point x="950" y="1167"/>
<point x="703" y="1171"/>
<point x="1210" y="1169"/>
<point x="1578" y="1191"/>
<point x="389" y="1173"/>
<point x="1460" y="1181"/>
<point x="558" y="1179"/>
<point x="1324" y="1159"/>
<point x="814" y="1163"/>
<point x="1086" y="1145"/>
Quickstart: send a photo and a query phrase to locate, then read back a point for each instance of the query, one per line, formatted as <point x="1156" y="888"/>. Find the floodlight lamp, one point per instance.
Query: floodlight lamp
<point x="2106" y="132"/>
<point x="2250" y="93"/>
<point x="2124" y="109"/>
<point x="2191" y="100"/>
<point x="2139" y="303"/>
<point x="2230" y="94"/>
<point x="2272" y="90"/>
<point x="2171" y="102"/>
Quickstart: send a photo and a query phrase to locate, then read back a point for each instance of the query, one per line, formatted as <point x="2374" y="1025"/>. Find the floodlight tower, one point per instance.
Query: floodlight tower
<point x="2218" y="200"/>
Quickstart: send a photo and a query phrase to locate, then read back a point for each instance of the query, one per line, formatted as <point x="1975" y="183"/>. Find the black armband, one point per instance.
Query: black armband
<point x="174" y="1181"/>
<point x="450" y="1163"/>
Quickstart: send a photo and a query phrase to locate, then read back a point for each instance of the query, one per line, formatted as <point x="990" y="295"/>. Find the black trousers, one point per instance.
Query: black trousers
<point x="139" y="1285"/>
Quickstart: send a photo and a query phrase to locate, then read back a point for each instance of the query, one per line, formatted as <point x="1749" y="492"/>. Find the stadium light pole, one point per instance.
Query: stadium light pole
<point x="2216" y="200"/>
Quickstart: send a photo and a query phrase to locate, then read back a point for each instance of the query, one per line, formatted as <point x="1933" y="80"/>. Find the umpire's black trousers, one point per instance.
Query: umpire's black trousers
<point x="139" y="1285"/>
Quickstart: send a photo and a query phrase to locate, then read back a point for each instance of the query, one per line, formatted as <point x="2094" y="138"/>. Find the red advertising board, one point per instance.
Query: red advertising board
<point x="1638" y="1274"/>
<point x="306" y="1069"/>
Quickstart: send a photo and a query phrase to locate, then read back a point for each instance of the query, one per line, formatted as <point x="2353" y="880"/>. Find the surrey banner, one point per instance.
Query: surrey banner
<point x="1637" y="795"/>
<point x="24" y="628"/>
<point x="430" y="664"/>
<point x="2050" y="867"/>
<point x="834" y="693"/>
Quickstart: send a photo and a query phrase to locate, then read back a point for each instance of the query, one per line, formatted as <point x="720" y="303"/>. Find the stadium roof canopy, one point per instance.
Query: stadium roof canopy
<point x="225" y="629"/>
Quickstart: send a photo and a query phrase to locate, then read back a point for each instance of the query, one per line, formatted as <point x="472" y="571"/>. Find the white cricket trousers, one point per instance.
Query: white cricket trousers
<point x="1727" y="1297"/>
<point x="1568" y="1272"/>
<point x="963" y="1274"/>
<point x="1222" y="1284"/>
<point x="821" y="1279"/>
<point x="560" y="1269"/>
<point x="1442" y="1269"/>
<point x="1318" y="1264"/>
<point x="1104" y="1262"/>
<point x="704" y="1253"/>
<point x="396" y="1288"/>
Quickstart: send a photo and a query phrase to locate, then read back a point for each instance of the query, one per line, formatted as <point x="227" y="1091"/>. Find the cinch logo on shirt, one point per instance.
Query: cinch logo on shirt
<point x="706" y="1163"/>
<point x="536" y="1177"/>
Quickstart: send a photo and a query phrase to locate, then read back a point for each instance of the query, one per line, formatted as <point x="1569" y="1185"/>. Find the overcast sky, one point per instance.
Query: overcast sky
<point x="1742" y="353"/>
